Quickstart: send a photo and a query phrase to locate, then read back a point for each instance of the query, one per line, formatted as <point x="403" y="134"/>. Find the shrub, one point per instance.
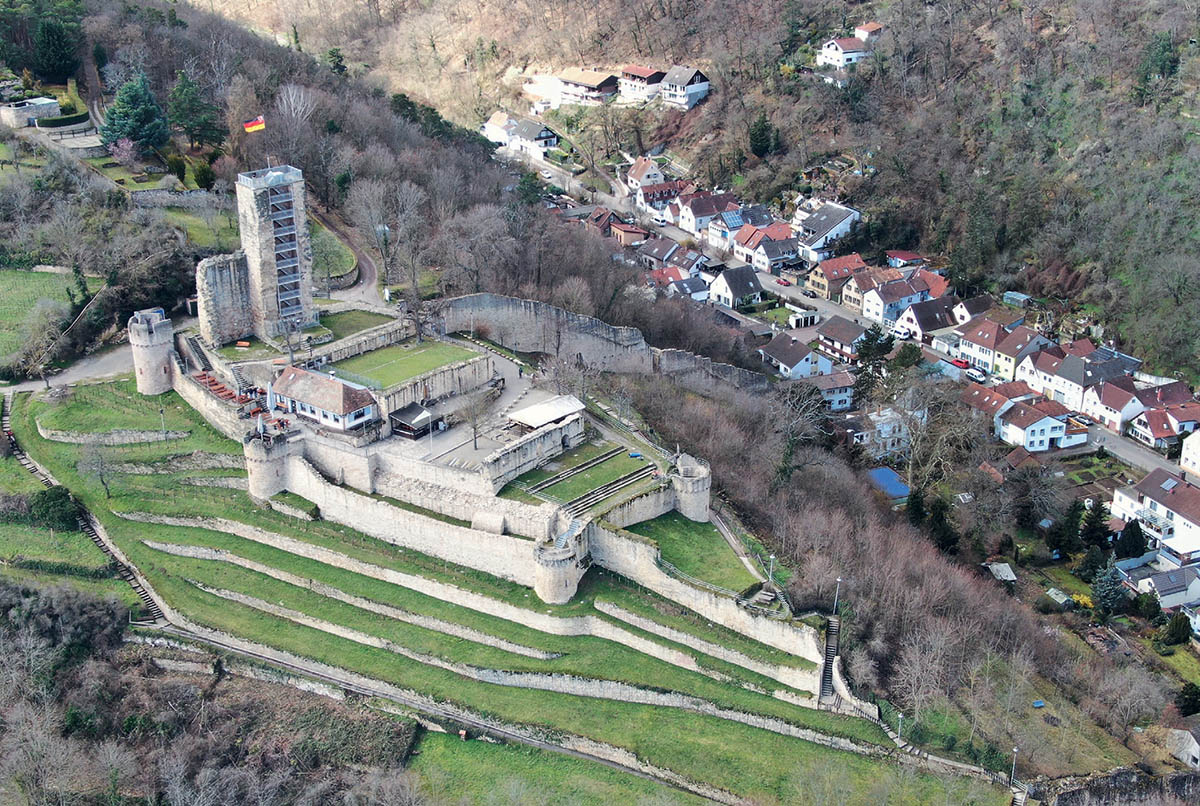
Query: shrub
<point x="177" y="166"/>
<point x="63" y="120"/>
<point x="54" y="508"/>
<point x="1045" y="605"/>
<point x="204" y="175"/>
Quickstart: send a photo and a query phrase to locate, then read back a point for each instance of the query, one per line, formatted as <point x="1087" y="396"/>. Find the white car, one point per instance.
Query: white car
<point x="661" y="221"/>
<point x="547" y="175"/>
<point x="976" y="374"/>
<point x="902" y="333"/>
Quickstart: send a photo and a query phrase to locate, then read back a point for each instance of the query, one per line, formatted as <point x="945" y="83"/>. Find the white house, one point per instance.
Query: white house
<point x="697" y="209"/>
<point x="735" y="287"/>
<point x="819" y="229"/>
<point x="638" y="83"/>
<point x="978" y="340"/>
<point x="586" y="87"/>
<point x="837" y="389"/>
<point x="1024" y="425"/>
<point x="723" y="227"/>
<point x="1063" y="372"/>
<point x="683" y="87"/>
<point x="884" y="303"/>
<point x="532" y="137"/>
<point x="1168" y="509"/>
<point x="879" y="433"/>
<point x="842" y="52"/>
<point x="654" y="198"/>
<point x="693" y="288"/>
<point x="868" y="32"/>
<point x="838" y="337"/>
<point x="1189" y="459"/>
<point x="1162" y="426"/>
<point x="644" y="171"/>
<point x="750" y="236"/>
<point x="499" y="128"/>
<point x="1174" y="587"/>
<point x="1184" y="743"/>
<point x="330" y="402"/>
<point x="922" y="318"/>
<point x="771" y="254"/>
<point x="1113" y="403"/>
<point x="792" y="358"/>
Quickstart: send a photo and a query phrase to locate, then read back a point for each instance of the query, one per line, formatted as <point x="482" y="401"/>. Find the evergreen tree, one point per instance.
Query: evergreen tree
<point x="204" y="175"/>
<point x="1092" y="562"/>
<point x="54" y="50"/>
<point x="872" y="354"/>
<point x="1108" y="594"/>
<point x="760" y="135"/>
<point x="177" y="166"/>
<point x="1188" y="699"/>
<point x="135" y="114"/>
<point x="1146" y="605"/>
<point x="1132" y="542"/>
<point x="336" y="61"/>
<point x="191" y="113"/>
<point x="916" y="507"/>
<point x="940" y="527"/>
<point x="1094" y="531"/>
<point x="1178" y="629"/>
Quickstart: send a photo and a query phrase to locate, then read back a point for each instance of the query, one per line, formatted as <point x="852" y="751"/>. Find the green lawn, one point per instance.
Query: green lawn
<point x="330" y="255"/>
<point x="111" y="169"/>
<point x="475" y="773"/>
<point x="1183" y="662"/>
<point x="1061" y="577"/>
<point x="347" y="323"/>
<point x="219" y="232"/>
<point x="19" y="294"/>
<point x="15" y="479"/>
<point x="565" y="461"/>
<point x="395" y="364"/>
<point x="34" y="542"/>
<point x="256" y="349"/>
<point x="778" y="316"/>
<point x="697" y="549"/>
<point x="608" y="470"/>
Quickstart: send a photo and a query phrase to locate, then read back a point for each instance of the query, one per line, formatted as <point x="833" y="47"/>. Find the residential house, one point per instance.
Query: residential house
<point x="332" y="403"/>
<point x="498" y="128"/>
<point x="664" y="276"/>
<point x="1184" y="743"/>
<point x="837" y="389"/>
<point x="586" y="87"/>
<point x="691" y="261"/>
<point x="1174" y="587"/>
<point x="627" y="234"/>
<point x="638" y="83"/>
<point x="1189" y="459"/>
<point x="772" y="256"/>
<point x="683" y="87"/>
<point x="735" y="287"/>
<point x="842" y="52"/>
<point x="644" y="171"/>
<point x="939" y="286"/>
<point x="1162" y="427"/>
<point x="601" y="220"/>
<point x="748" y="238"/>
<point x="839" y="338"/>
<point x="654" y="252"/>
<point x="693" y="288"/>
<point x="792" y="358"/>
<point x="723" y="227"/>
<point x="1012" y="349"/>
<point x="819" y="229"/>
<point x="829" y="277"/>
<point x="532" y="137"/>
<point x="697" y="209"/>
<point x="885" y="303"/>
<point x="1036" y="427"/>
<point x="1063" y="372"/>
<point x="1168" y="509"/>
<point x="968" y="309"/>
<point x="655" y="198"/>
<point x="899" y="258"/>
<point x="1016" y="459"/>
<point x="923" y="318"/>
<point x="978" y="340"/>
<point x="992" y="402"/>
<point x="1113" y="403"/>
<point x="879" y="434"/>
<point x="869" y="32"/>
<point x="864" y="281"/>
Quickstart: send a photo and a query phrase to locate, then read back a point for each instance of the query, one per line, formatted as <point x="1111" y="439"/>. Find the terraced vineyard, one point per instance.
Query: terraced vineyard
<point x="617" y="665"/>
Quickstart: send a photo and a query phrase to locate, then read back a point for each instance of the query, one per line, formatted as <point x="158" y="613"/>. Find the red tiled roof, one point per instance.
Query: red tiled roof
<point x="1013" y="389"/>
<point x="1079" y="347"/>
<point x="1116" y="393"/>
<point x="850" y="44"/>
<point x="667" y="275"/>
<point x="623" y="227"/>
<point x="837" y="268"/>
<point x="1023" y="415"/>
<point x="900" y="254"/>
<point x="982" y="331"/>
<point x="641" y="166"/>
<point x="983" y="399"/>
<point x="640" y="71"/>
<point x="1019" y="457"/>
<point x="938" y="285"/>
<point x="1052" y="408"/>
<point x="870" y="27"/>
<point x="1165" y="395"/>
<point x="1017" y="340"/>
<point x="1158" y="423"/>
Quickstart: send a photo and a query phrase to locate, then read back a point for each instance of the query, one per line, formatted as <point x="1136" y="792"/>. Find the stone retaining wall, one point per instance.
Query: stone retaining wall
<point x="216" y="412"/>
<point x="454" y="379"/>
<point x="120" y="436"/>
<point x="642" y="508"/>
<point x="532" y="450"/>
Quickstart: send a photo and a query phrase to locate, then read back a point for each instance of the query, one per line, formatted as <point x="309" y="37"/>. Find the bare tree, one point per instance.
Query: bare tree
<point x="94" y="463"/>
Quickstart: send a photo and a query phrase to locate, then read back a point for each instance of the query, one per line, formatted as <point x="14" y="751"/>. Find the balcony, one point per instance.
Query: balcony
<point x="285" y="279"/>
<point x="285" y="296"/>
<point x="1156" y="524"/>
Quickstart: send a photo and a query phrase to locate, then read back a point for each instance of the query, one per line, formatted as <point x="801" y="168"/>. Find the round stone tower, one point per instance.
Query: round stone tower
<point x="267" y="466"/>
<point x="692" y="481"/>
<point x="556" y="573"/>
<point x="151" y="340"/>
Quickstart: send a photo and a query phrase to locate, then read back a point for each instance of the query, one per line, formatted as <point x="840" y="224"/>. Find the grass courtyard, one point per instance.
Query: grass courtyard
<point x="347" y="323"/>
<point x="392" y="365"/>
<point x="19" y="294"/>
<point x="752" y="762"/>
<point x="696" y="549"/>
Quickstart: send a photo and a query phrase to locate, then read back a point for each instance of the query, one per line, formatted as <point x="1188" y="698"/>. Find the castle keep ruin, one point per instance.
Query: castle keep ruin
<point x="263" y="289"/>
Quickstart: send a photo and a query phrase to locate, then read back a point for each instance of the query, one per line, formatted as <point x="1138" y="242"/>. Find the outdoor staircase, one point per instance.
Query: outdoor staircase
<point x="84" y="520"/>
<point x="831" y="652"/>
<point x="1020" y="795"/>
<point x="574" y="471"/>
<point x="240" y="379"/>
<point x="584" y="502"/>
<point x="198" y="352"/>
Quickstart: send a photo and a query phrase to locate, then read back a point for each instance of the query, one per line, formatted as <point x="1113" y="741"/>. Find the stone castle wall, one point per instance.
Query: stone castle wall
<point x="532" y="450"/>
<point x="643" y="508"/>
<point x="216" y="412"/>
<point x="454" y="379"/>
<point x="536" y="327"/>
<point x="223" y="298"/>
<point x="374" y="338"/>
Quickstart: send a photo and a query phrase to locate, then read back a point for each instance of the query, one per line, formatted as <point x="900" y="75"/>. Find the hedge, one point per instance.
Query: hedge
<point x="63" y="120"/>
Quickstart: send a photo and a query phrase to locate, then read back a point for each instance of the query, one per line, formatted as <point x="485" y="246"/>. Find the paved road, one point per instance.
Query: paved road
<point x="367" y="287"/>
<point x="1129" y="451"/>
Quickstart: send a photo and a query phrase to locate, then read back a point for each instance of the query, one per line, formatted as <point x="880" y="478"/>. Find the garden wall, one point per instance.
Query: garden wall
<point x="532" y="450"/>
<point x="454" y="379"/>
<point x="217" y="413"/>
<point x="187" y="199"/>
<point x="373" y="338"/>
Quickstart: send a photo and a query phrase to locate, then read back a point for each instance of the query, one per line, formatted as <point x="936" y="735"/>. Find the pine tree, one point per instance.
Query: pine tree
<point x="1092" y="562"/>
<point x="1132" y="542"/>
<point x="1108" y="594"/>
<point x="1188" y="699"/>
<point x="54" y="50"/>
<point x="337" y="62"/>
<point x="760" y="136"/>
<point x="1095" y="531"/>
<point x="135" y="114"/>
<point x="191" y="113"/>
<point x="940" y="527"/>
<point x="1178" y="629"/>
<point x="916" y="507"/>
<point x="872" y="355"/>
<point x="204" y="175"/>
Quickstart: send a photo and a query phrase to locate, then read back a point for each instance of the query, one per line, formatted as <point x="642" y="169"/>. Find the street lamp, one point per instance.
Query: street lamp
<point x="162" y="419"/>
<point x="900" y="730"/>
<point x="771" y="572"/>
<point x="836" y="591"/>
<point x="1013" y="775"/>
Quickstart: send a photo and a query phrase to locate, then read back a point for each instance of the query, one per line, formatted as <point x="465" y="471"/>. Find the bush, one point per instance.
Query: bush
<point x="62" y="120"/>
<point x="177" y="166"/>
<point x="54" y="508"/>
<point x="204" y="175"/>
<point x="67" y="107"/>
<point x="1045" y="605"/>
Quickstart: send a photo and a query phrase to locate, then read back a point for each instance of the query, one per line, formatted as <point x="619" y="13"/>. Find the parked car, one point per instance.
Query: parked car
<point x="961" y="363"/>
<point x="661" y="221"/>
<point x="976" y="374"/>
<point x="902" y="333"/>
<point x="782" y="281"/>
<point x="808" y="292"/>
<point x="547" y="175"/>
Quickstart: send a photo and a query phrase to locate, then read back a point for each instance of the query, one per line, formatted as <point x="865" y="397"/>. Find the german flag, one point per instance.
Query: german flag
<point x="256" y="125"/>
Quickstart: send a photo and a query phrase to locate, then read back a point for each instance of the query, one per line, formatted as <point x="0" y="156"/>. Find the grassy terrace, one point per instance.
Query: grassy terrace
<point x="697" y="549"/>
<point x="749" y="761"/>
<point x="582" y="483"/>
<point x="255" y="349"/>
<point x="395" y="364"/>
<point x="347" y="323"/>
<point x="15" y="479"/>
<point x="19" y="294"/>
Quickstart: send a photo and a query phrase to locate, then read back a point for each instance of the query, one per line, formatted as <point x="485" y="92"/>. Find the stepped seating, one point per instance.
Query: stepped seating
<point x="584" y="502"/>
<point x="574" y="471"/>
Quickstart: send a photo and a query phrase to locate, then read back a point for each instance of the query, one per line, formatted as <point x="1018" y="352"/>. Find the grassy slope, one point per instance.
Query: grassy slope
<point x="741" y="758"/>
<point x="392" y="365"/>
<point x="582" y="483"/>
<point x="19" y="294"/>
<point x="697" y="549"/>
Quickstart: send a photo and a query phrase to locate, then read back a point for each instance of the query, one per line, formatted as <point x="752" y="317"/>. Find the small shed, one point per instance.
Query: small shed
<point x="1061" y="599"/>
<point x="1016" y="299"/>
<point x="414" y="421"/>
<point x="1002" y="572"/>
<point x="547" y="411"/>
<point x="19" y="114"/>
<point x="888" y="482"/>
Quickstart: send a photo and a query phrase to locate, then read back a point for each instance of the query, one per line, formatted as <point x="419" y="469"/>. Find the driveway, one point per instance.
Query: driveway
<point x="1130" y="452"/>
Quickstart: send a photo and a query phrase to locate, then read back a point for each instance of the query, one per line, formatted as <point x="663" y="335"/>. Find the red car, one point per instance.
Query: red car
<point x="781" y="281"/>
<point x="961" y="363"/>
